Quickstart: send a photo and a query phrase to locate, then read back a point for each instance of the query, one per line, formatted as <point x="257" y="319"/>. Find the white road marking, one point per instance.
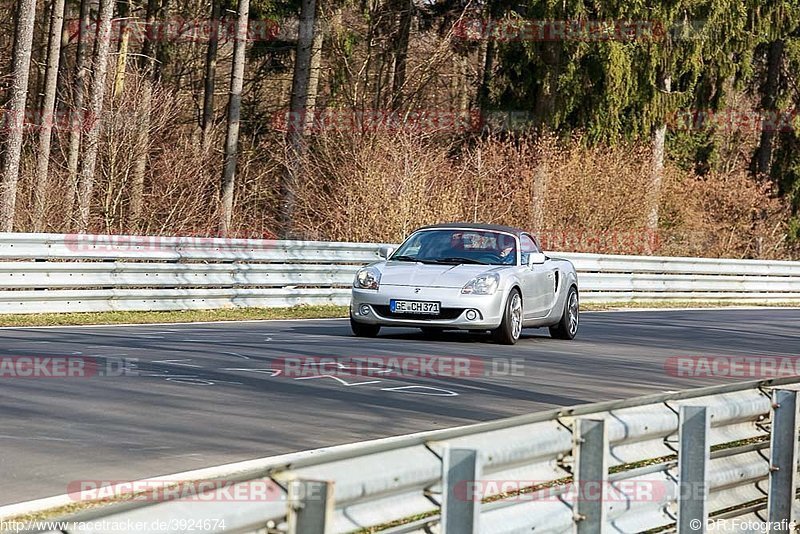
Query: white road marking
<point x="191" y="381"/>
<point x="167" y="376"/>
<point x="271" y="372"/>
<point x="343" y="382"/>
<point x="405" y="389"/>
<point x="177" y="362"/>
<point x="237" y="355"/>
<point x="34" y="438"/>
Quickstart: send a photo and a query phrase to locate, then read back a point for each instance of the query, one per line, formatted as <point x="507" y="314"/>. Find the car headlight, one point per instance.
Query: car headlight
<point x="367" y="278"/>
<point x="483" y="284"/>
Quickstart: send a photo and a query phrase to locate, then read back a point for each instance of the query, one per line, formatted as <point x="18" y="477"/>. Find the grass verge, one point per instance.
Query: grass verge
<point x="603" y="306"/>
<point x="179" y="316"/>
<point x="295" y="312"/>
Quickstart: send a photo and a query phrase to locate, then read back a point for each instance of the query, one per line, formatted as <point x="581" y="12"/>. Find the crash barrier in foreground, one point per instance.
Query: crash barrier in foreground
<point x="723" y="455"/>
<point x="70" y="273"/>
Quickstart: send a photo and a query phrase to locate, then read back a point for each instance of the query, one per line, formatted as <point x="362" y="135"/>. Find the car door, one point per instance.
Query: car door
<point x="539" y="281"/>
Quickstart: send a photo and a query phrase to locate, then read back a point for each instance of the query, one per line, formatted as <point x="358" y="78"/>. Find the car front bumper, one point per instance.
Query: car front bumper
<point x="372" y="307"/>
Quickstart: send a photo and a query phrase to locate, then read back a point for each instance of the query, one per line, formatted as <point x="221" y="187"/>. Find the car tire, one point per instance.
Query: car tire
<point x="364" y="329"/>
<point x="567" y="327"/>
<point x="511" y="327"/>
<point x="431" y="331"/>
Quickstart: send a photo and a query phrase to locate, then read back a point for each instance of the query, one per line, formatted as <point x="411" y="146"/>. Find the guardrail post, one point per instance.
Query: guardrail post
<point x="310" y="508"/>
<point x="693" y="462"/>
<point x="783" y="460"/>
<point x="461" y="491"/>
<point x="590" y="446"/>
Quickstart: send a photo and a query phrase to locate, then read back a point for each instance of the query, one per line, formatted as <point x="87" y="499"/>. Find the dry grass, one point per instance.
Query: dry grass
<point x="378" y="186"/>
<point x="574" y="196"/>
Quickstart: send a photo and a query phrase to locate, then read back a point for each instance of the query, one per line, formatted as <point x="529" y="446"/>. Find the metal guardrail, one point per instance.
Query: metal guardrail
<point x="60" y="273"/>
<point x="660" y="463"/>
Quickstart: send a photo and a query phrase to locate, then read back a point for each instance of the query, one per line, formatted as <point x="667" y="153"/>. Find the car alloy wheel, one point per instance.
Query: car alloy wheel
<point x="516" y="315"/>
<point x="572" y="310"/>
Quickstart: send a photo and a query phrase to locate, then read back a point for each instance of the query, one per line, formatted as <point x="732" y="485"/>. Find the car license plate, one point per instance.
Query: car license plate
<point x="414" y="306"/>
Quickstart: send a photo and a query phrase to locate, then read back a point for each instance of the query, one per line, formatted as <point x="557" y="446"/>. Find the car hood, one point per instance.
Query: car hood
<point x="396" y="273"/>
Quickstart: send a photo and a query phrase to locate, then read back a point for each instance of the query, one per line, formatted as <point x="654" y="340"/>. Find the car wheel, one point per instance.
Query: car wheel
<point x="363" y="329"/>
<point x="567" y="327"/>
<point x="510" y="329"/>
<point x="431" y="331"/>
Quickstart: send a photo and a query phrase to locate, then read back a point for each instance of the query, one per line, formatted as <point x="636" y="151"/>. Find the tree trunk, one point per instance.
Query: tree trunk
<point x="100" y="63"/>
<point x="664" y="83"/>
<point x="762" y="162"/>
<point x="313" y="78"/>
<point x="484" y="87"/>
<point x="63" y="60"/>
<point x="142" y="143"/>
<point x="19" y="97"/>
<point x="545" y="106"/>
<point x="149" y="46"/>
<point x="48" y="108"/>
<point x="122" y="55"/>
<point x="76" y="121"/>
<point x="207" y="121"/>
<point x="234" y="110"/>
<point x="462" y="84"/>
<point x="299" y="113"/>
<point x="401" y="52"/>
<point x="162" y="48"/>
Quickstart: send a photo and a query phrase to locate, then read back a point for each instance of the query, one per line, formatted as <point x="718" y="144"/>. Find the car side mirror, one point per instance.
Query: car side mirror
<point x="536" y="258"/>
<point x="385" y="251"/>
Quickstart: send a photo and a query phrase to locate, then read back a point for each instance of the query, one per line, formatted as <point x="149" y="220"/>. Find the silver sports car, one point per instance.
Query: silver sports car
<point x="469" y="277"/>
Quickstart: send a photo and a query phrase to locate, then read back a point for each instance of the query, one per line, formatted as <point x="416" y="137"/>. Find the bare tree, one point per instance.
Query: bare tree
<point x="19" y="96"/>
<point x="147" y="67"/>
<point x="76" y="122"/>
<point x="664" y="83"/>
<point x="299" y="111"/>
<point x="313" y="76"/>
<point x="142" y="122"/>
<point x="207" y="120"/>
<point x="48" y="109"/>
<point x="762" y="161"/>
<point x="100" y="64"/>
<point x="123" y="9"/>
<point x="406" y="8"/>
<point x="234" y="110"/>
<point x="63" y="60"/>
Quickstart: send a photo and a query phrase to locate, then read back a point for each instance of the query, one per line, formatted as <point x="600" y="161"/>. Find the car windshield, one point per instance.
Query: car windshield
<point x="458" y="247"/>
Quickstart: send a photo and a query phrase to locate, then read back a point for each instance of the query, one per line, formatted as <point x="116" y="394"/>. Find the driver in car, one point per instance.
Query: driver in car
<point x="506" y="246"/>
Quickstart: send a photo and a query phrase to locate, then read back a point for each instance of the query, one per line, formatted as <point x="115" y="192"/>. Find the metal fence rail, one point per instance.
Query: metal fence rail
<point x="663" y="462"/>
<point x="59" y="273"/>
